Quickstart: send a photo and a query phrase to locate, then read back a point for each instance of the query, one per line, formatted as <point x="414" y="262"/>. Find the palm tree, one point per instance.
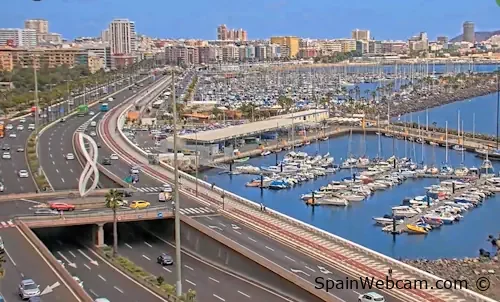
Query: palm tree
<point x="113" y="201"/>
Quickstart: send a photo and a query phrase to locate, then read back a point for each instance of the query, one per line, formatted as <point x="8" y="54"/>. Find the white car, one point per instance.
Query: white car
<point x="371" y="297"/>
<point x="9" y="127"/>
<point x="93" y="133"/>
<point x="22" y="121"/>
<point x="113" y="157"/>
<point x="31" y="127"/>
<point x="2" y="188"/>
<point x="93" y="124"/>
<point x="20" y="127"/>
<point x="6" y="155"/>
<point x="91" y="113"/>
<point x="70" y="156"/>
<point x="13" y="135"/>
<point x="23" y="174"/>
<point x="80" y="282"/>
<point x="167" y="188"/>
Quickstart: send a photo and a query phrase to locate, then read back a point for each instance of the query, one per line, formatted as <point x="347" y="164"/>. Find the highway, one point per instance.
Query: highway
<point x="100" y="279"/>
<point x="57" y="141"/>
<point x="211" y="284"/>
<point x="23" y="261"/>
<point x="9" y="168"/>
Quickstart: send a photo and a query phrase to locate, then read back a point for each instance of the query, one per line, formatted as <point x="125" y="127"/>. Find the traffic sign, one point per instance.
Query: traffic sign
<point x="159" y="215"/>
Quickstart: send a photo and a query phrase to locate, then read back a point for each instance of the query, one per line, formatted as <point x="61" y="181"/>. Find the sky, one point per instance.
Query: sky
<point x="386" y="19"/>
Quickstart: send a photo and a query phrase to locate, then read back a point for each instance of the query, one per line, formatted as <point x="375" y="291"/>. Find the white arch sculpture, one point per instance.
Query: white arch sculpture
<point x="90" y="167"/>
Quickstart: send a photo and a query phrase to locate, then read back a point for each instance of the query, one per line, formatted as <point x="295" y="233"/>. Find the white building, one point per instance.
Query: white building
<point x="19" y="37"/>
<point x="122" y="36"/>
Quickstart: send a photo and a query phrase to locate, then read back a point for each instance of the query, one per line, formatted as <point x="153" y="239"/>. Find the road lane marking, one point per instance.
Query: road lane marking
<point x="147" y="244"/>
<point x="252" y="239"/>
<point x="222" y="224"/>
<point x="58" y="171"/>
<point x="310" y="269"/>
<point x="190" y="282"/>
<point x="71" y="170"/>
<point x="121" y="291"/>
<point x="239" y="233"/>
<point x="290" y="258"/>
<point x="8" y="255"/>
<point x="240" y="292"/>
<point x="188" y="267"/>
<point x="218" y="297"/>
<point x="50" y="155"/>
<point x="209" y="218"/>
<point x="93" y="292"/>
<point x="87" y="266"/>
<point x="167" y="269"/>
<point x="269" y="248"/>
<point x="144" y="256"/>
<point x="215" y="280"/>
<point x="54" y="163"/>
<point x="72" y="254"/>
<point x="128" y="245"/>
<point x="62" y="179"/>
<point x="102" y="278"/>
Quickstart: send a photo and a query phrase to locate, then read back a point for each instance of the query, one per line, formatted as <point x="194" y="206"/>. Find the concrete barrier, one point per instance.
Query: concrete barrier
<point x="80" y="293"/>
<point x="48" y="195"/>
<point x="266" y="263"/>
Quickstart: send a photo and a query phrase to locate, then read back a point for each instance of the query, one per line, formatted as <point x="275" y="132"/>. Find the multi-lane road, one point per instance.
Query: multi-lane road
<point x="57" y="141"/>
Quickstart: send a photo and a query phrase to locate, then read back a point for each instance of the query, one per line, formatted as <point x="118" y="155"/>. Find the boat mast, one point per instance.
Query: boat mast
<point x="463" y="142"/>
<point x="446" y="141"/>
<point x="498" y="99"/>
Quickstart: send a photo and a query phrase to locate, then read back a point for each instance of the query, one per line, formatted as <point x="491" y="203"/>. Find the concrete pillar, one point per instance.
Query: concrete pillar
<point x="98" y="234"/>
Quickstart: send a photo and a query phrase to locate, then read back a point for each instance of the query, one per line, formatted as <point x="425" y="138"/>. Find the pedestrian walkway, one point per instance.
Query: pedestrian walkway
<point x="7" y="224"/>
<point x="150" y="189"/>
<point x="197" y="211"/>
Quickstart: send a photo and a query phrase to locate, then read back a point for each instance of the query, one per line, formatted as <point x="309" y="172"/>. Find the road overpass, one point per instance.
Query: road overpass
<point x="342" y="255"/>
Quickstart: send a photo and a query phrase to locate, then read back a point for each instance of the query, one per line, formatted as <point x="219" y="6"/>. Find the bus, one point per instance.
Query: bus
<point x="104" y="107"/>
<point x="83" y="110"/>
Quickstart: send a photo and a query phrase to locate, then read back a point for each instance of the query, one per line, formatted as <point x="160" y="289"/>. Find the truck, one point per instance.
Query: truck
<point x="83" y="110"/>
<point x="164" y="196"/>
<point x="104" y="107"/>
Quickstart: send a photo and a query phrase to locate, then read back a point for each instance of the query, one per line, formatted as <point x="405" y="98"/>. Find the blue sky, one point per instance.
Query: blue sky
<point x="387" y="19"/>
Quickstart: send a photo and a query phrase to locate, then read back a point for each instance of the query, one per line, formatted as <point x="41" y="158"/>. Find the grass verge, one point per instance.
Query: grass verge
<point x="34" y="165"/>
<point x="154" y="283"/>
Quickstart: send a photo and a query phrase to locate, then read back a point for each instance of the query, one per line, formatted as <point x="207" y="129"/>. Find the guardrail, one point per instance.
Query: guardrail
<point x="262" y="261"/>
<point x="91" y="217"/>
<point x="80" y="293"/>
<point x="307" y="227"/>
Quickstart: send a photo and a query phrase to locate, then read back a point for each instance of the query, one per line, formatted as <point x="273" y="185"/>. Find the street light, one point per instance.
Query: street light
<point x="178" y="285"/>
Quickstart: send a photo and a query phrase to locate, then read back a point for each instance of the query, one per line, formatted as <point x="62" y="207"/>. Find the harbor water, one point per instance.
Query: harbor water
<point x="462" y="239"/>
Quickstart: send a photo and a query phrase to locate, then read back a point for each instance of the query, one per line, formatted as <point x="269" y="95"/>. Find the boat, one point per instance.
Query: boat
<point x="415" y="229"/>
<point x="308" y="196"/>
<point x="349" y="196"/>
<point x="279" y="185"/>
<point x="265" y="153"/>
<point x="324" y="138"/>
<point x="241" y="160"/>
<point x="486" y="168"/>
<point x="386" y="221"/>
<point x="330" y="201"/>
<point x="405" y="211"/>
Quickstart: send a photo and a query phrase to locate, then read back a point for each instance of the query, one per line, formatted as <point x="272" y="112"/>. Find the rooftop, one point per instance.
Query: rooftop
<point x="249" y="129"/>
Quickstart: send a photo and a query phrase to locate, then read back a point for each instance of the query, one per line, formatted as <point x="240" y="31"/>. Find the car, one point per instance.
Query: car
<point x="98" y="145"/>
<point x="371" y="297"/>
<point x="2" y="247"/>
<point x="20" y="149"/>
<point x="113" y="157"/>
<point x="80" y="282"/>
<point x="28" y="288"/>
<point x="139" y="204"/>
<point x="70" y="156"/>
<point x="62" y="206"/>
<point x="125" y="192"/>
<point x="12" y="135"/>
<point x="6" y="147"/>
<point x="22" y="121"/>
<point x="33" y="299"/>
<point x="2" y="188"/>
<point x="93" y="124"/>
<point x="91" y="113"/>
<point x="45" y="212"/>
<point x="61" y="263"/>
<point x="20" y="128"/>
<point x="9" y="127"/>
<point x="92" y="133"/>
<point x="23" y="174"/>
<point x="6" y="155"/>
<point x="165" y="259"/>
<point x="135" y="170"/>
<point x="62" y="120"/>
<point x="31" y="127"/>
<point x="101" y="300"/>
<point x="167" y="188"/>
<point x="106" y="161"/>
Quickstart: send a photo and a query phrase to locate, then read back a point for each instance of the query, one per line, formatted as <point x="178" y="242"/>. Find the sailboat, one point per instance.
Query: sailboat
<point x="446" y="169"/>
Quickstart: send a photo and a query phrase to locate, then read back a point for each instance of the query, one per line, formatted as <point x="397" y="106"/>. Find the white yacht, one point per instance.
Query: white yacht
<point x="405" y="211"/>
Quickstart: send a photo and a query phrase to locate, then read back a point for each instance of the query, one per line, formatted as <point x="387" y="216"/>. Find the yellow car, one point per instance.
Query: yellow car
<point x="139" y="204"/>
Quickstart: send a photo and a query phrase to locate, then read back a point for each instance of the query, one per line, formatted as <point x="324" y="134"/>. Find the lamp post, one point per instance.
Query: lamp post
<point x="178" y="285"/>
<point x="36" y="99"/>
<point x="197" y="161"/>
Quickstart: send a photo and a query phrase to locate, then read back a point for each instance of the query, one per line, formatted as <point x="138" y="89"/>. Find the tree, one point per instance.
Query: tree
<point x="2" y="261"/>
<point x="160" y="280"/>
<point x="114" y="200"/>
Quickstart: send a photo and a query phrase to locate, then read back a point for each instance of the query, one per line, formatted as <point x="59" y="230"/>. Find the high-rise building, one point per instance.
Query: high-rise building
<point x="291" y="43"/>
<point x="360" y="34"/>
<point x="468" y="34"/>
<point x="18" y="37"/>
<point x="105" y="35"/>
<point x="122" y="36"/>
<point x="41" y="26"/>
<point x="224" y="33"/>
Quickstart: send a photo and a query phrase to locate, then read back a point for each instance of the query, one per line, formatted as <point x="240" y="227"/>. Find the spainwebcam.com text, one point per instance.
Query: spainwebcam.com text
<point x="370" y="283"/>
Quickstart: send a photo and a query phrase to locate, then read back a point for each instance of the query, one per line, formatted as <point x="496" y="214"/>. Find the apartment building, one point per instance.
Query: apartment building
<point x="41" y="26"/>
<point x="224" y="33"/>
<point x="182" y="55"/>
<point x="6" y="60"/>
<point x="95" y="63"/>
<point x="348" y="45"/>
<point x="394" y="46"/>
<point x="18" y="37"/>
<point x="230" y="53"/>
<point x="360" y="34"/>
<point x="289" y="42"/>
<point x="329" y="47"/>
<point x="375" y="47"/>
<point x="260" y="52"/>
<point x="273" y="51"/>
<point x="122" y="36"/>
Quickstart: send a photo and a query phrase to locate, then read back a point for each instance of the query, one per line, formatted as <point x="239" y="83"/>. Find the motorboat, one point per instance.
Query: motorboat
<point x="414" y="229"/>
<point x="445" y="218"/>
<point x="265" y="153"/>
<point x="386" y="221"/>
<point x="409" y="173"/>
<point x="349" y="196"/>
<point x="486" y="169"/>
<point x="279" y="185"/>
<point x="308" y="196"/>
<point x="328" y="201"/>
<point x="405" y="211"/>
<point x="248" y="169"/>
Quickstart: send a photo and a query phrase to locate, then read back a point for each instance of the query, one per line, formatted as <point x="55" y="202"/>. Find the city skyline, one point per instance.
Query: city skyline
<point x="262" y="19"/>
